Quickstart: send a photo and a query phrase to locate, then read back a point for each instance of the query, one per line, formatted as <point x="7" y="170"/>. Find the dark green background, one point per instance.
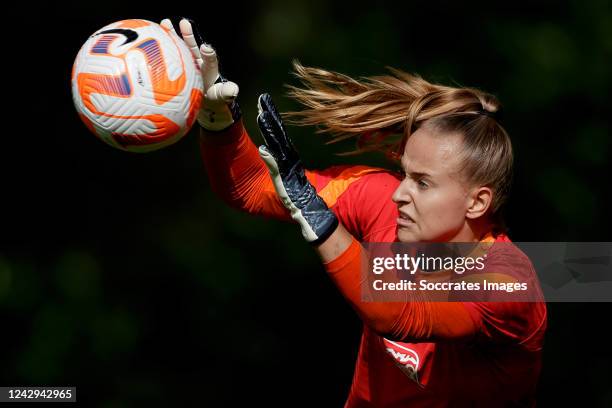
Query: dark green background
<point x="122" y="274"/>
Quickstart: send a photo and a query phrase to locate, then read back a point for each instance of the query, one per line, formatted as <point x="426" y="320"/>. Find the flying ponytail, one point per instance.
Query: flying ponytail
<point x="382" y="111"/>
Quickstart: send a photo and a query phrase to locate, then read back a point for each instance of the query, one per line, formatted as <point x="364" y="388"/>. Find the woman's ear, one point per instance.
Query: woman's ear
<point x="479" y="202"/>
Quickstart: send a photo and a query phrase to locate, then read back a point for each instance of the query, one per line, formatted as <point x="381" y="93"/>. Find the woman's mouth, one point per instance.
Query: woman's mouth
<point x="405" y="220"/>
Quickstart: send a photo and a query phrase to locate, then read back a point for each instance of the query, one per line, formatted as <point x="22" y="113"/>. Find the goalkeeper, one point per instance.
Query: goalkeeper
<point x="456" y="167"/>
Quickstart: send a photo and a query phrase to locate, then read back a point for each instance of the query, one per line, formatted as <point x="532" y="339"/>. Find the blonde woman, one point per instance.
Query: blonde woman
<point x="456" y="162"/>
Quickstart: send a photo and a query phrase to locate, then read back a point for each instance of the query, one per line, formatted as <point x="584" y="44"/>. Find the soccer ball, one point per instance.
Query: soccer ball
<point x="136" y="86"/>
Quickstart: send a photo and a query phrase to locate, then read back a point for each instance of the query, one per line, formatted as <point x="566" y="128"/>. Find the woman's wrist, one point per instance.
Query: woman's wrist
<point x="335" y="245"/>
<point x="223" y="137"/>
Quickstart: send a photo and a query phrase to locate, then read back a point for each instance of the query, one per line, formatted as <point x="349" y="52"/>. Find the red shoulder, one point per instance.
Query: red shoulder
<point x="361" y="197"/>
<point x="522" y="323"/>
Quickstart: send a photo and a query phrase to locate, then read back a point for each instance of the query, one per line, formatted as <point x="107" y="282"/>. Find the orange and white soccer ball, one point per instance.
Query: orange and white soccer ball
<point x="136" y="85"/>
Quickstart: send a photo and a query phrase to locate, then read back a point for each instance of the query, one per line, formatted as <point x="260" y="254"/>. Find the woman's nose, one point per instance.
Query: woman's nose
<point x="401" y="194"/>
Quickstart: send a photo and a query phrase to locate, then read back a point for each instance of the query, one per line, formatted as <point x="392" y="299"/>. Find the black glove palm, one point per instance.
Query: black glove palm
<point x="289" y="177"/>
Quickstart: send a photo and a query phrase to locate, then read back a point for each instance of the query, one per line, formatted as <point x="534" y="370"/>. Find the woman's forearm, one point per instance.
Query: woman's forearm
<point x="414" y="319"/>
<point x="335" y="245"/>
<point x="237" y="174"/>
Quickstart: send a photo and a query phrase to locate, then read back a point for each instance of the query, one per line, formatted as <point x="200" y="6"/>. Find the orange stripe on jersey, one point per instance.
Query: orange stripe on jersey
<point x="339" y="184"/>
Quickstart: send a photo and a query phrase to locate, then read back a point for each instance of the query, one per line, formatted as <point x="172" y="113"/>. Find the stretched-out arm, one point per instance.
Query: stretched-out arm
<point x="235" y="170"/>
<point x="413" y="320"/>
<point x="239" y="176"/>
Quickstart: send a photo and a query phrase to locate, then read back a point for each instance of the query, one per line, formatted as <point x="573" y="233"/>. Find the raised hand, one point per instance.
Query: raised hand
<point x="317" y="221"/>
<point x="219" y="106"/>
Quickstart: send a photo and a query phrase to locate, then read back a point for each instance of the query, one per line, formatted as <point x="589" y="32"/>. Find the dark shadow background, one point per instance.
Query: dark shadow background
<point x="122" y="274"/>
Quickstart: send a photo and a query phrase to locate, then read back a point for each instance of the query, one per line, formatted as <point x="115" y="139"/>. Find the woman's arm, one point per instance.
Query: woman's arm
<point x="413" y="320"/>
<point x="237" y="174"/>
<point x="234" y="168"/>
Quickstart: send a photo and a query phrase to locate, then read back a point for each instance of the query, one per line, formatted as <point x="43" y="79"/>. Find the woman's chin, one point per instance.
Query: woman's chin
<point x="407" y="235"/>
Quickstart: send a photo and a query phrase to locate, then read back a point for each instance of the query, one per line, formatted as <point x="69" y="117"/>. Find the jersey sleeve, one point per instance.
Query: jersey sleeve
<point x="417" y="320"/>
<point x="370" y="214"/>
<point x="412" y="320"/>
<point x="238" y="175"/>
<point x="516" y="322"/>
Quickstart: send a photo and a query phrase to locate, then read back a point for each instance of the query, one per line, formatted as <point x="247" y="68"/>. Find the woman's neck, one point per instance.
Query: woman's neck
<point x="473" y="231"/>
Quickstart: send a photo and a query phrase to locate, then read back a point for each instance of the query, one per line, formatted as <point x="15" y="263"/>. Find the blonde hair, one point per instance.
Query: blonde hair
<point x="382" y="111"/>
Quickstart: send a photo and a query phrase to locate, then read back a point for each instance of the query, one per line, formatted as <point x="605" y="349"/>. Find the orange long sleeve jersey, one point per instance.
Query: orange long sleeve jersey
<point x="411" y="353"/>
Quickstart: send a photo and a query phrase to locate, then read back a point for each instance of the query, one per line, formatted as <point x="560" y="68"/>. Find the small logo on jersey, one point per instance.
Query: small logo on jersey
<point x="406" y="358"/>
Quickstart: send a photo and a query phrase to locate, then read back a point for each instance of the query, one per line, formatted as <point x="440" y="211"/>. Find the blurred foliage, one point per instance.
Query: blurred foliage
<point x="125" y="276"/>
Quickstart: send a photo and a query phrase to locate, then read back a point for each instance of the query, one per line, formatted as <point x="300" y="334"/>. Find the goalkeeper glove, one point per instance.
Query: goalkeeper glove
<point x="295" y="191"/>
<point x="219" y="106"/>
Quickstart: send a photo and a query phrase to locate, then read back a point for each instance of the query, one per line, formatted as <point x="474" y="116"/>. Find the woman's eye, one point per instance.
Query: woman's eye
<point x="422" y="184"/>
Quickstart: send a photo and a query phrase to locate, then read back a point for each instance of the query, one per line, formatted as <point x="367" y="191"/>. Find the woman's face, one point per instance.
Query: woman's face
<point x="432" y="200"/>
